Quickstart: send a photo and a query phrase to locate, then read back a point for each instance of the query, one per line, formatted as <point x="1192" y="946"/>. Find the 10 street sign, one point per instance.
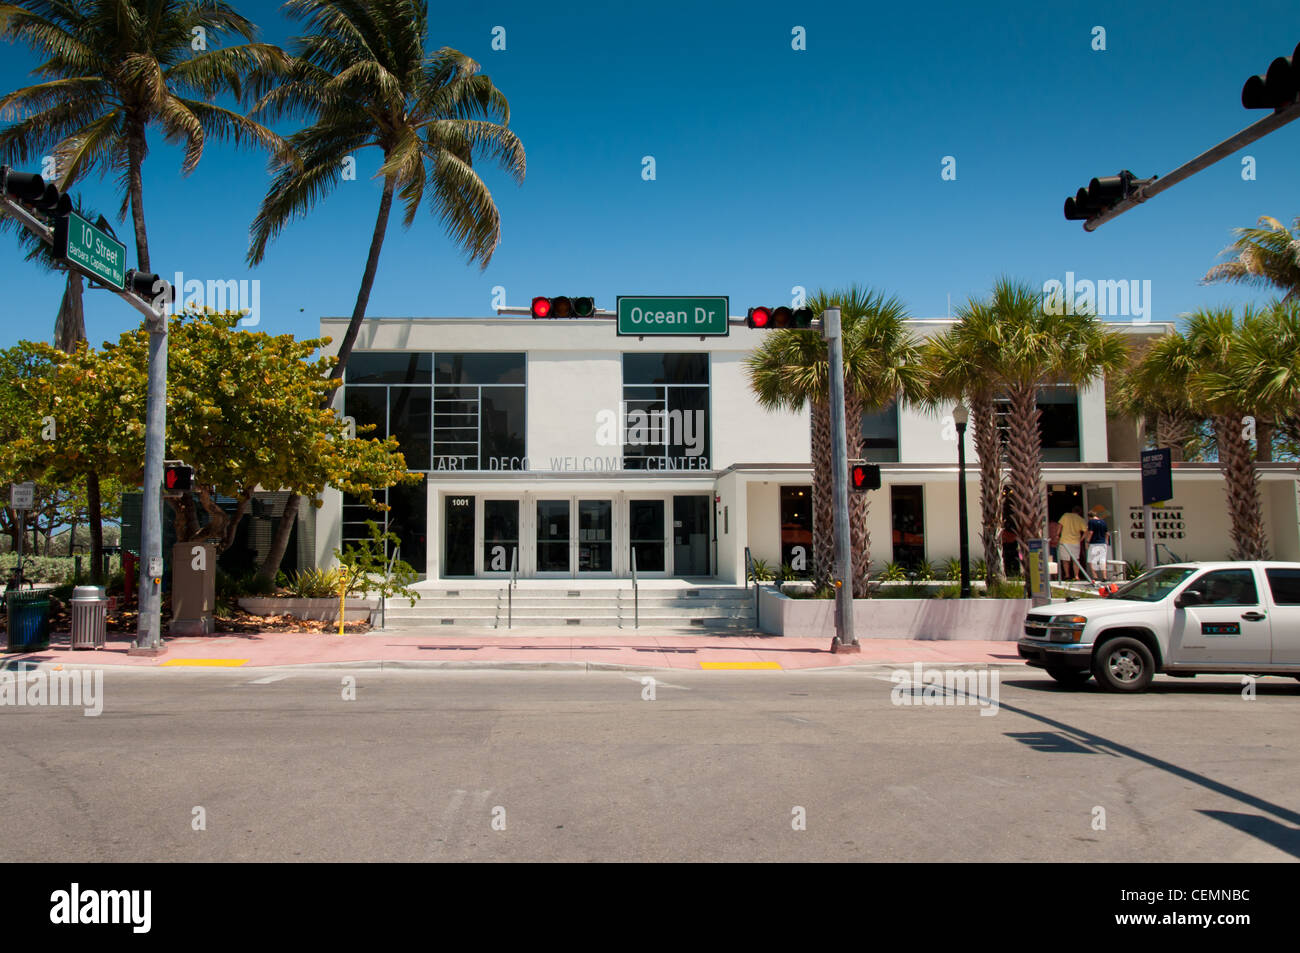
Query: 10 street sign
<point x="663" y="316"/>
<point x="91" y="251"/>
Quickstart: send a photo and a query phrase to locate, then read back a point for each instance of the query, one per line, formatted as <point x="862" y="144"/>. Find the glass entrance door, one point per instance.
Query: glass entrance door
<point x="554" y="554"/>
<point x="691" y="535"/>
<point x="646" y="536"/>
<point x="595" y="542"/>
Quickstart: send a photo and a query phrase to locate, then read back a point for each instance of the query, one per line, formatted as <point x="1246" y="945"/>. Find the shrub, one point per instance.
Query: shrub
<point x="314" y="583"/>
<point x="893" y="572"/>
<point x="952" y="569"/>
<point x="760" y="571"/>
<point x="923" y="572"/>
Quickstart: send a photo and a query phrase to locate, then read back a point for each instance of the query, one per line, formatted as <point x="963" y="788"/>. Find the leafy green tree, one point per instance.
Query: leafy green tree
<point x="115" y="68"/>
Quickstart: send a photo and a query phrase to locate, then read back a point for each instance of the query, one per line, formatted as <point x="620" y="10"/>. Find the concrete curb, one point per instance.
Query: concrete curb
<point x="504" y="665"/>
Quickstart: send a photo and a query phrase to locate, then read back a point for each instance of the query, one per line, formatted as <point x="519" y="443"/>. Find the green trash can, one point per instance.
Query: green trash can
<point x="28" y="619"/>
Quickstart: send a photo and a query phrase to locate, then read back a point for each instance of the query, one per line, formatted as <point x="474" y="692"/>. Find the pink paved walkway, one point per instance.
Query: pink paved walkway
<point x="646" y="650"/>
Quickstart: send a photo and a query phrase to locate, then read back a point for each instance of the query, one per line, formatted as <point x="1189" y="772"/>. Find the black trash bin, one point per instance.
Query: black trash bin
<point x="28" y="619"/>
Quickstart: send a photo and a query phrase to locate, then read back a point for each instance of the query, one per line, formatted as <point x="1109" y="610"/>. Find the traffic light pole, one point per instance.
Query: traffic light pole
<point x="845" y="638"/>
<point x="149" y="632"/>
<point x="1206" y="159"/>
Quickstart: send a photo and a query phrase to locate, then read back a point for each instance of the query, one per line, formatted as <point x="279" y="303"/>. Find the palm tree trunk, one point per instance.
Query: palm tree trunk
<point x="136" y="149"/>
<point x="367" y="281"/>
<point x="859" y="502"/>
<point x="70" y="325"/>
<point x="984" y="417"/>
<point x="823" y="505"/>
<point x="1024" y="448"/>
<point x="270" y="567"/>
<point x="1264" y="430"/>
<point x="1241" y="485"/>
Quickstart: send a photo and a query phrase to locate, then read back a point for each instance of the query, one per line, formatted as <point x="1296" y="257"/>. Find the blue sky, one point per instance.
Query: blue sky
<point x="774" y="167"/>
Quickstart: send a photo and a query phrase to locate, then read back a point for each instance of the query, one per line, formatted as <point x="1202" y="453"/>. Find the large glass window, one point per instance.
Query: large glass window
<point x="406" y="517"/>
<point x="907" y="509"/>
<point x="666" y="411"/>
<point x="796" y="528"/>
<point x="479" y="420"/>
<point x="449" y="411"/>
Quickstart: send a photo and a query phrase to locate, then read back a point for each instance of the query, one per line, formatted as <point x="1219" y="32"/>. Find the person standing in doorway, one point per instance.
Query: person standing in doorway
<point x="1054" y="545"/>
<point x="1098" y="537"/>
<point x="1073" y="529"/>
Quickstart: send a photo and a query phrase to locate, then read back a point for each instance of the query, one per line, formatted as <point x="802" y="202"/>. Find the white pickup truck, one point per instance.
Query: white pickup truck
<point x="1185" y="619"/>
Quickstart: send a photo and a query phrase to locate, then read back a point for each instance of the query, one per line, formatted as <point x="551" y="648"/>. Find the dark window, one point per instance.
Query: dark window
<point x="796" y="528"/>
<point x="880" y="435"/>
<point x="407" y="517"/>
<point x="488" y="368"/>
<point x="1058" y="422"/>
<point x="666" y="407"/>
<point x="640" y="368"/>
<point x="908" y="512"/>
<point x="410" y="416"/>
<point x="1285" y="586"/>
<point x="371" y="367"/>
<point x="501" y="416"/>
<point x="458" y="536"/>
<point x="367" y="405"/>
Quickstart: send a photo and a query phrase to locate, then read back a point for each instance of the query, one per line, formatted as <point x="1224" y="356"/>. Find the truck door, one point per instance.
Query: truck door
<point x="1284" y="588"/>
<point x="1230" y="628"/>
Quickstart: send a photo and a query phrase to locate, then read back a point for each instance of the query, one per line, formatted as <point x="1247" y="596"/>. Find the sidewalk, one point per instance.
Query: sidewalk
<point x="523" y="648"/>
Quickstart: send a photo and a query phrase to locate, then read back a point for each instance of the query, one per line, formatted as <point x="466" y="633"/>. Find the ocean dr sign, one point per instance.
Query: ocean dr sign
<point x="661" y="316"/>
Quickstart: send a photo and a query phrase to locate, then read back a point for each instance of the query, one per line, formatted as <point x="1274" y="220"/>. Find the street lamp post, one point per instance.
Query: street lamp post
<point x="960" y="416"/>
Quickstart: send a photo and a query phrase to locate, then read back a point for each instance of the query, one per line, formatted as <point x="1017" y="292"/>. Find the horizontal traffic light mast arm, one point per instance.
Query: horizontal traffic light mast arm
<point x="46" y="234"/>
<point x="1206" y="159"/>
<point x="733" y="321"/>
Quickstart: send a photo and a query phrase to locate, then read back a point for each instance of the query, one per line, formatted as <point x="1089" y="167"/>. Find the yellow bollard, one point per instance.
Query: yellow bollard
<point x="343" y="590"/>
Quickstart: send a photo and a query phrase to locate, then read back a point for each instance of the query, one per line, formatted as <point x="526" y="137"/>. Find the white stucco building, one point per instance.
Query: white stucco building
<point x="568" y="447"/>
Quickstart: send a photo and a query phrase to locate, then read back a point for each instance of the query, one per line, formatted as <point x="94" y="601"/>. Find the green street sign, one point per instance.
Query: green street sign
<point x="94" y="253"/>
<point x="665" y="316"/>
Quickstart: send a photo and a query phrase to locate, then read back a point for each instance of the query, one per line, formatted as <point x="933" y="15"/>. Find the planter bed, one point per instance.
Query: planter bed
<point x="993" y="620"/>
<point x="317" y="610"/>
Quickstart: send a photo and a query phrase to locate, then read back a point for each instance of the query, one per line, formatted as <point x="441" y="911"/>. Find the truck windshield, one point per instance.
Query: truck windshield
<point x="1154" y="585"/>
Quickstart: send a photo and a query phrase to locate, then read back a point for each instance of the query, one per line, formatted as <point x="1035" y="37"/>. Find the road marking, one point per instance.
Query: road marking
<point x="741" y="665"/>
<point x="270" y="678"/>
<point x="658" y="683"/>
<point x="216" y="662"/>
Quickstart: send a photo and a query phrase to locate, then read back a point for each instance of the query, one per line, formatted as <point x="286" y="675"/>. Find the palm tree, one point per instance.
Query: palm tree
<point x="953" y="373"/>
<point x="363" y="78"/>
<point x="1206" y="366"/>
<point x="115" y="68"/>
<point x="1022" y="346"/>
<point x="791" y="370"/>
<point x="365" y="81"/>
<point x="1266" y="256"/>
<point x="1164" y="415"/>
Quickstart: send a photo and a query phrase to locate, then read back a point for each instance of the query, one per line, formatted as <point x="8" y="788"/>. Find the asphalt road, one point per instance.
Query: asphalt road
<point x="719" y="766"/>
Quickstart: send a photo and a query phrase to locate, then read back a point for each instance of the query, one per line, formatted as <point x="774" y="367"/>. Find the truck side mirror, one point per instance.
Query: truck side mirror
<point x="1190" y="597"/>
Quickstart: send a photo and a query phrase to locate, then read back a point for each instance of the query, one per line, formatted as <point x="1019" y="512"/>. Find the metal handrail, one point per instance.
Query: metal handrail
<point x="1176" y="558"/>
<point x="749" y="574"/>
<point x="510" y="589"/>
<point x="636" y="595"/>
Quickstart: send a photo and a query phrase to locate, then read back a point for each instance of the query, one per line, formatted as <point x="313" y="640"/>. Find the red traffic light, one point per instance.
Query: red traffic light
<point x="562" y="306"/>
<point x="758" y="318"/>
<point x="541" y="307"/>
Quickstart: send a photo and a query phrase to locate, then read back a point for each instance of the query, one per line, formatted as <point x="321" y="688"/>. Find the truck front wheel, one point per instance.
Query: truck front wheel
<point x="1123" y="665"/>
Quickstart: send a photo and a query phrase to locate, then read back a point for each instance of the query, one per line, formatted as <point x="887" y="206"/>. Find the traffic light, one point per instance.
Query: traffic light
<point x="1102" y="194"/>
<point x="563" y="307"/>
<point x="781" y="317"/>
<point x="30" y="189"/>
<point x="149" y="286"/>
<point x="864" y="476"/>
<point x="177" y="477"/>
<point x="1277" y="88"/>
